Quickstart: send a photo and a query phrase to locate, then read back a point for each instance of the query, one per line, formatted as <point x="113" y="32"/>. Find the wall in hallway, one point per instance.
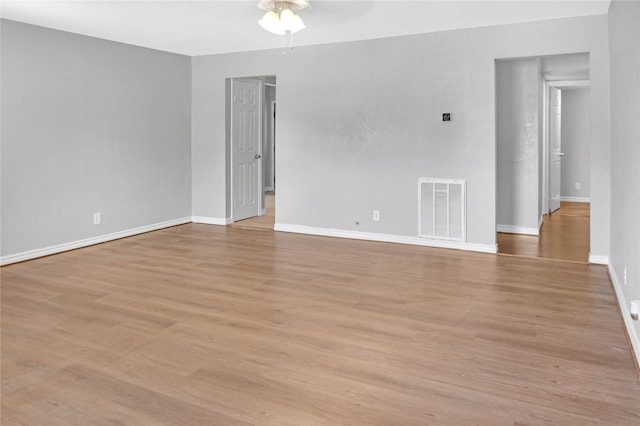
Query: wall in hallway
<point x="576" y="144"/>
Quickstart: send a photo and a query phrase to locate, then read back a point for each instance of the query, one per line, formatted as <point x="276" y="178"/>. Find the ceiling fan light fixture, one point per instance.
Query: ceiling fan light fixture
<point x="286" y="18"/>
<point x="281" y="17"/>
<point x="271" y="22"/>
<point x="297" y="24"/>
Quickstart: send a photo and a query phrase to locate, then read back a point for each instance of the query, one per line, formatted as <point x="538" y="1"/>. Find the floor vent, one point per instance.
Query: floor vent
<point x="442" y="209"/>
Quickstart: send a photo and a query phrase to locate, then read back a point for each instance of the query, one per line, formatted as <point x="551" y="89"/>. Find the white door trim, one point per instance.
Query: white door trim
<point x="273" y="141"/>
<point x="568" y="83"/>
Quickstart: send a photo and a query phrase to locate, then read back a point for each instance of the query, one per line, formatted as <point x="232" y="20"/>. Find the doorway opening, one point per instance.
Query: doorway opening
<point x="251" y="118"/>
<point x="543" y="157"/>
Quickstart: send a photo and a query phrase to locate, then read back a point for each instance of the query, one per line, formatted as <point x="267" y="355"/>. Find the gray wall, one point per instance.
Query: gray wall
<point x="89" y="126"/>
<point x="575" y="143"/>
<point x="359" y="122"/>
<point x="518" y="142"/>
<point x="541" y="150"/>
<point x="624" y="33"/>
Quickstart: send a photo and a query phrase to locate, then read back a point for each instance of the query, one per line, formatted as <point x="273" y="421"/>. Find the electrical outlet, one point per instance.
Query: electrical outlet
<point x="97" y="218"/>
<point x="376" y="215"/>
<point x="624" y="279"/>
<point x="578" y="185"/>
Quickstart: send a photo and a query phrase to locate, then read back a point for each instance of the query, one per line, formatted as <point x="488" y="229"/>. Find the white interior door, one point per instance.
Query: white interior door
<point x="555" y="148"/>
<point x="246" y="142"/>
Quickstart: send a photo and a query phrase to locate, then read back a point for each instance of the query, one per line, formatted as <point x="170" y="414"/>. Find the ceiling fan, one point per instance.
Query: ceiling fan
<point x="281" y="17"/>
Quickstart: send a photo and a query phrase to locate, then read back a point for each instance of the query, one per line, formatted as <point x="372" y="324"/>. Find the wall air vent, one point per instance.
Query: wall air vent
<point x="442" y="213"/>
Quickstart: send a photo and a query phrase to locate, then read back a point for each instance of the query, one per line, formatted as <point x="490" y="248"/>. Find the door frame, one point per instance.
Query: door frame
<point x="259" y="143"/>
<point x="272" y="121"/>
<point x="272" y="117"/>
<point x="546" y="152"/>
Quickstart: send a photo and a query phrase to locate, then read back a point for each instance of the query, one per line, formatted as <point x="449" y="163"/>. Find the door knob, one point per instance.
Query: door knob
<point x="260" y="156"/>
<point x="561" y="154"/>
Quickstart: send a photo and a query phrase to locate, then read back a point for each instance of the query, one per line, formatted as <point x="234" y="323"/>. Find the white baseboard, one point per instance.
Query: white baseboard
<point x="576" y="199"/>
<point x="509" y="229"/>
<point x="626" y="316"/>
<point x="59" y="248"/>
<point x="211" y="220"/>
<point x="598" y="260"/>
<point x="369" y="236"/>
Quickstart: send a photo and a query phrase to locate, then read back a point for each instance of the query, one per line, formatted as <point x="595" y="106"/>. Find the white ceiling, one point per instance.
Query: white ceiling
<point x="208" y="27"/>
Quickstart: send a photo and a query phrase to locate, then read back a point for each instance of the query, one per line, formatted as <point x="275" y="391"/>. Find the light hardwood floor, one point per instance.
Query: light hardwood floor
<point x="564" y="236"/>
<point x="211" y="325"/>
<point x="264" y="222"/>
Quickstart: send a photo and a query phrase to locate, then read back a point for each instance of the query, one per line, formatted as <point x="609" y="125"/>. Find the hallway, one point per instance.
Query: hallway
<point x="564" y="236"/>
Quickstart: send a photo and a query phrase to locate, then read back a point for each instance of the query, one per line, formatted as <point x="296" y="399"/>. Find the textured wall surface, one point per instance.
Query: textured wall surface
<point x="575" y="143"/>
<point x="624" y="32"/>
<point x="360" y="122"/>
<point x="89" y="126"/>
<point x="518" y="140"/>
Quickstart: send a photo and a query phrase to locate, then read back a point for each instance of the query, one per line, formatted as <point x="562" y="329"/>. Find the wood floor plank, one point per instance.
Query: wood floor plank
<point x="210" y="325"/>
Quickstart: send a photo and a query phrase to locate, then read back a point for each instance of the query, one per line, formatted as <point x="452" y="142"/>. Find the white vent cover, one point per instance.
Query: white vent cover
<point x="442" y="209"/>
